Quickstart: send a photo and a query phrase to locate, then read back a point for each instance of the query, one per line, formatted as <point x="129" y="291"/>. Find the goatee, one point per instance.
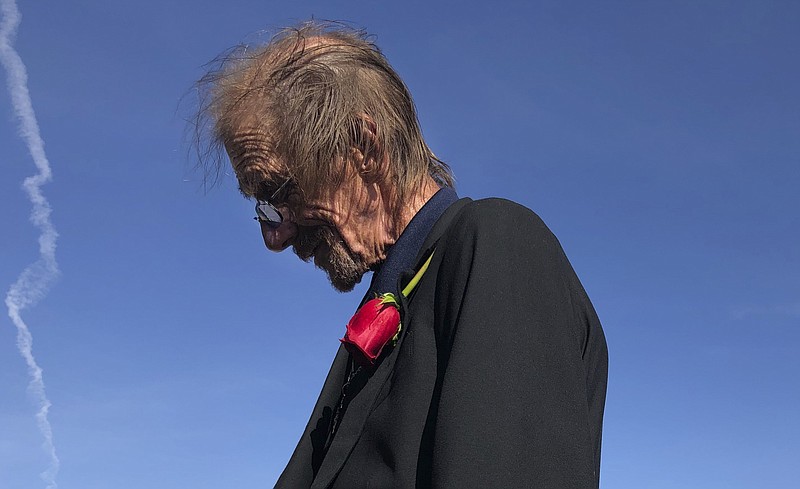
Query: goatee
<point x="331" y="255"/>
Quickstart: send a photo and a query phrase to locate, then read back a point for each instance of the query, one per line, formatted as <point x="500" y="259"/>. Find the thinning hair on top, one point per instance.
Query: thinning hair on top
<point x="314" y="92"/>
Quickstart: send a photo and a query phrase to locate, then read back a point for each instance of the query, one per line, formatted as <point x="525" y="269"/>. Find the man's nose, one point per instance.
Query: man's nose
<point x="278" y="238"/>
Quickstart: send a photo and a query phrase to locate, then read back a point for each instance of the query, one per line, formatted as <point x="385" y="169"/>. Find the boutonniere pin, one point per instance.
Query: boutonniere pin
<point x="377" y="323"/>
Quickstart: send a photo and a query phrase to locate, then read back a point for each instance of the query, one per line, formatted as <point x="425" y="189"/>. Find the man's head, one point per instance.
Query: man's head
<point x="319" y="107"/>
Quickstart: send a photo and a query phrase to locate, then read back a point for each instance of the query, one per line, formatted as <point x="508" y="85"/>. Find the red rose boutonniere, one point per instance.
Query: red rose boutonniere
<point x="377" y="323"/>
<point x="371" y="328"/>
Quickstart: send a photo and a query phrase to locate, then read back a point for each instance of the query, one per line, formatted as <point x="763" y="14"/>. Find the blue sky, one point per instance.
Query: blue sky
<point x="659" y="140"/>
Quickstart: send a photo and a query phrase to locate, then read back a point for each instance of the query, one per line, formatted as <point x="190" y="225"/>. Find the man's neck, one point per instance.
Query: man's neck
<point x="413" y="204"/>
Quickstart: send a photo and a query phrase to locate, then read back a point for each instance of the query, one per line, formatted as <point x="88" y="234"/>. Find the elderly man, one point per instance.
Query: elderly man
<point x="476" y="359"/>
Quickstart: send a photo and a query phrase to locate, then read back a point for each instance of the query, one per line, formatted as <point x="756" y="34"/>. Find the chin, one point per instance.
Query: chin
<point x="344" y="282"/>
<point x="344" y="269"/>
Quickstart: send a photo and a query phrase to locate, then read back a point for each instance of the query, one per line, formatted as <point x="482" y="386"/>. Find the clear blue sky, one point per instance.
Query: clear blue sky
<point x="660" y="140"/>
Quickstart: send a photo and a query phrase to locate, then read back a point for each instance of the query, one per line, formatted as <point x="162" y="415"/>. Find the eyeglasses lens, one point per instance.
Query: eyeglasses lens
<point x="266" y="213"/>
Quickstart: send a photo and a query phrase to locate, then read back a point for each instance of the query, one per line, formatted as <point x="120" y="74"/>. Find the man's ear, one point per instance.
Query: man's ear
<point x="370" y="157"/>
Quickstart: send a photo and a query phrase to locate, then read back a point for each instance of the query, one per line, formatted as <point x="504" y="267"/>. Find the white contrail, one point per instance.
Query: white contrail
<point x="34" y="281"/>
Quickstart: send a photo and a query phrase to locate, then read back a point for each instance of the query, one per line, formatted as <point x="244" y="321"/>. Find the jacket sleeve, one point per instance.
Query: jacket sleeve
<point x="511" y="407"/>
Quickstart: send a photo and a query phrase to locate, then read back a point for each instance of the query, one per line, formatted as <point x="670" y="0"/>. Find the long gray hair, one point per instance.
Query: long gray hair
<point x="310" y="90"/>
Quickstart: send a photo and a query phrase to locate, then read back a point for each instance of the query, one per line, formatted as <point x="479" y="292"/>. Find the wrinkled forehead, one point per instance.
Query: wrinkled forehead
<point x="254" y="160"/>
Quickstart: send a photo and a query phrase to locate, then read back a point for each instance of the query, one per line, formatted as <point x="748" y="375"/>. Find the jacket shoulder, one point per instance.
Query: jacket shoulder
<point x="501" y="221"/>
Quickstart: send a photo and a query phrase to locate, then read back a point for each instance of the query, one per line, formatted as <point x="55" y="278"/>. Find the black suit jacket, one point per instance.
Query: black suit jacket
<point x="498" y="378"/>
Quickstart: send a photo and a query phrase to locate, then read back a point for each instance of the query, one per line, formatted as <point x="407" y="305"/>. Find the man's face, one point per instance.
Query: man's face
<point x="327" y="232"/>
<point x="339" y="230"/>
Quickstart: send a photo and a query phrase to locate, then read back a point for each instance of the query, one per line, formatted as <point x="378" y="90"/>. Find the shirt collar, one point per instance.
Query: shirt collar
<point x="402" y="254"/>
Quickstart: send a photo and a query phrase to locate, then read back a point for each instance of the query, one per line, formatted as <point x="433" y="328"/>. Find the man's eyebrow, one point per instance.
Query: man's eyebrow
<point x="267" y="187"/>
<point x="251" y="185"/>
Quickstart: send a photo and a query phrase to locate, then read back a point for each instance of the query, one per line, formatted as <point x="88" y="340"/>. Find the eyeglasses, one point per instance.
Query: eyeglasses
<point x="267" y="213"/>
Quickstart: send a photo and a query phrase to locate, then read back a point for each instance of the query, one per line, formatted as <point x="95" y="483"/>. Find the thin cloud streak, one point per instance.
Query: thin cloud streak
<point x="35" y="280"/>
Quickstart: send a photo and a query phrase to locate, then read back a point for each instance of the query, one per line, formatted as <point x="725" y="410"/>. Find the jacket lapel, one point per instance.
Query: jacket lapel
<point x="304" y="465"/>
<point x="441" y="226"/>
<point x="352" y="423"/>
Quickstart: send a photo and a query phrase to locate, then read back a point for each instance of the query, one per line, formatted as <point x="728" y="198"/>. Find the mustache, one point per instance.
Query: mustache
<point x="309" y="238"/>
